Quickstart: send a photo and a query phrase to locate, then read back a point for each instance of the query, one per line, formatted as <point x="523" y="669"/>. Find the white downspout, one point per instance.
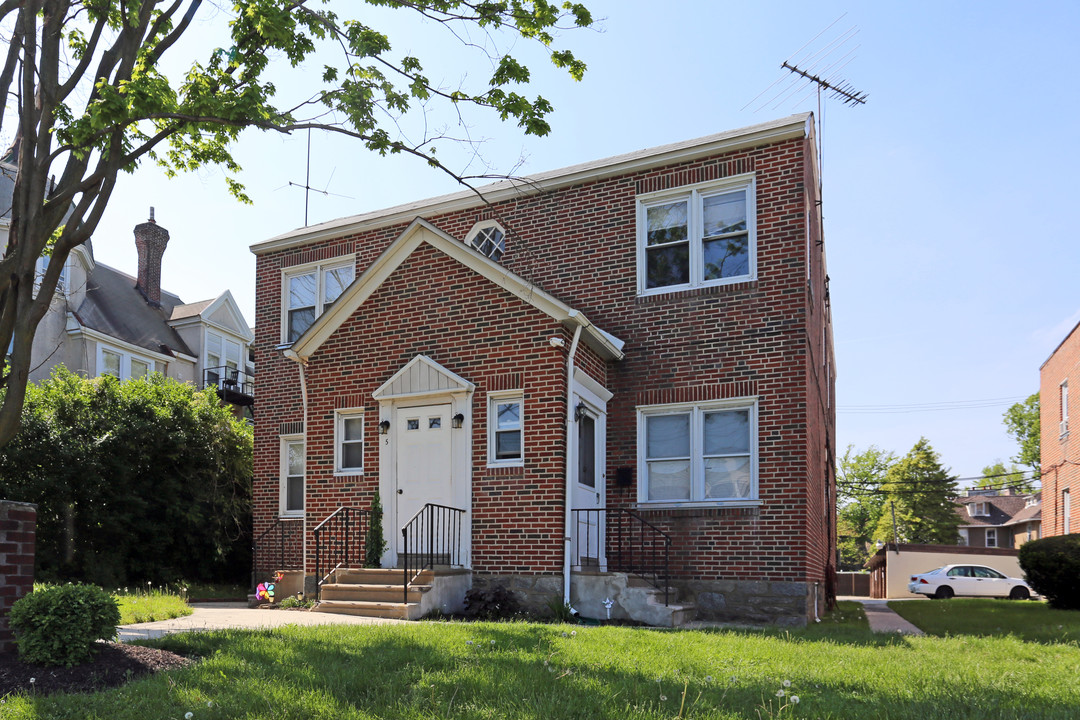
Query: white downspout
<point x="568" y="539"/>
<point x="301" y="363"/>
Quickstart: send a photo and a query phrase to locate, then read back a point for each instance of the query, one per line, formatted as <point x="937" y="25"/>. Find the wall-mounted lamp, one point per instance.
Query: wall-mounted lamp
<point x="384" y="427"/>
<point x="579" y="412"/>
<point x="457" y="421"/>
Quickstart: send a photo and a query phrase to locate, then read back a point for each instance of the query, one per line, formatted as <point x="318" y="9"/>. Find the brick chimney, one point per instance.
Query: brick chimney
<point x="150" y="240"/>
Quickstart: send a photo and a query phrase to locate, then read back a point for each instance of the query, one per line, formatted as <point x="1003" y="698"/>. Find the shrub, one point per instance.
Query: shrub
<point x="58" y="624"/>
<point x="1052" y="567"/>
<point x="491" y="602"/>
<point x="374" y="544"/>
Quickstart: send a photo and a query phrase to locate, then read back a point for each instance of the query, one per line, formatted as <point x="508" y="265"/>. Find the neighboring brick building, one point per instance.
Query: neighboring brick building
<point x="1060" y="443"/>
<point x="998" y="519"/>
<point x="649" y="334"/>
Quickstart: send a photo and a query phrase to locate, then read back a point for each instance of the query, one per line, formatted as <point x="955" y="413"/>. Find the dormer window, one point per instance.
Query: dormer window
<point x="489" y="239"/>
<point x="979" y="509"/>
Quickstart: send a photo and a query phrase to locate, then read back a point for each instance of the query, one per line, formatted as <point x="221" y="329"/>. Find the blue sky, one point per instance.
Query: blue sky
<point x="946" y="197"/>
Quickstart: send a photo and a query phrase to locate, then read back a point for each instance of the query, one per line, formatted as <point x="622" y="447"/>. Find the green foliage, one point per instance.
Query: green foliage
<point x="493" y="601"/>
<point x="293" y="602"/>
<point x="1052" y="565"/>
<point x="146" y="603"/>
<point x="59" y="624"/>
<point x="146" y="479"/>
<point x="1022" y="423"/>
<point x="560" y="610"/>
<point x="998" y="476"/>
<point x="920" y="491"/>
<point x="861" y="502"/>
<point x="374" y="544"/>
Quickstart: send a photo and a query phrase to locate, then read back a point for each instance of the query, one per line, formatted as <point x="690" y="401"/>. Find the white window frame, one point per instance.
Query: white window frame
<point x="494" y="399"/>
<point x="125" y="361"/>
<point x="283" y="477"/>
<point x="61" y="282"/>
<point x="964" y="537"/>
<point x="697" y="460"/>
<point x="340" y="416"/>
<point x="991" y="537"/>
<point x="694" y="195"/>
<point x="480" y="227"/>
<point x="319" y="270"/>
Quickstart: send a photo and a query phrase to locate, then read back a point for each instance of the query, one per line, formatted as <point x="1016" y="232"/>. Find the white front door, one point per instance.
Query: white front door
<point x="424" y="459"/>
<point x="590" y="484"/>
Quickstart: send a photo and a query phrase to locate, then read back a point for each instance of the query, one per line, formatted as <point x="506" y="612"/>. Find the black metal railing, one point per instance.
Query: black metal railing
<point x="339" y="542"/>
<point x="278" y="547"/>
<point x="432" y="537"/>
<point x="232" y="383"/>
<point x="622" y="541"/>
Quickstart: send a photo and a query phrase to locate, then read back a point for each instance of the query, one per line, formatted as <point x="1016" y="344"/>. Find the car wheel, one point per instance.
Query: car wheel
<point x="944" y="593"/>
<point x="1019" y="593"/>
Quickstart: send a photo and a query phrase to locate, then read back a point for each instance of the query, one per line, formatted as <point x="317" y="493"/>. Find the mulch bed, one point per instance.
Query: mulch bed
<point x="114" y="664"/>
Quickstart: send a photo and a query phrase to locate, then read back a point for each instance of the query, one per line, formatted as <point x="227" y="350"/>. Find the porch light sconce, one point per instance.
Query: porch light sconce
<point x="458" y="421"/>
<point x="579" y="412"/>
<point x="384" y="427"/>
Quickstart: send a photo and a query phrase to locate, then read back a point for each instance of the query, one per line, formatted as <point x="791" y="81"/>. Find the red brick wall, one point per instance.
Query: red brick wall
<point x="760" y="338"/>
<point x="1059" y="473"/>
<point x="18" y="523"/>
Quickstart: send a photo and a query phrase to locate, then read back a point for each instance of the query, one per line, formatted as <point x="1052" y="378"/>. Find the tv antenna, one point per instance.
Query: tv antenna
<point x="307" y="183"/>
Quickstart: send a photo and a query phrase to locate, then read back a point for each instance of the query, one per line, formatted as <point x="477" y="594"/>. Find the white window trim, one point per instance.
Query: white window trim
<point x="283" y="475"/>
<point x="125" y="360"/>
<point x="476" y="230"/>
<point x="492" y="399"/>
<point x="991" y="535"/>
<point x="697" y="466"/>
<point x="694" y="194"/>
<point x="340" y="416"/>
<point x="964" y="537"/>
<point x="319" y="268"/>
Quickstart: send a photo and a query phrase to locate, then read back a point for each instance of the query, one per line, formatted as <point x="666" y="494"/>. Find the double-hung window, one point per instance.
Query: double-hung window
<point x="310" y="292"/>
<point x="122" y="365"/>
<point x="349" y="442"/>
<point x="505" y="428"/>
<point x="697" y="236"/>
<point x="991" y="537"/>
<point x="698" y="453"/>
<point x="292" y="476"/>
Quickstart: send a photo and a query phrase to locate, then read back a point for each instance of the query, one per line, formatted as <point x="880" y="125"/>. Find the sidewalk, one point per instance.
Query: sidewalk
<point x="884" y="620"/>
<point x="228" y="615"/>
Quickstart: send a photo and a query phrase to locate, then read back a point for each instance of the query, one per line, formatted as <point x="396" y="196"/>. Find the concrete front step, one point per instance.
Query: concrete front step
<point x="377" y="576"/>
<point x="371" y="592"/>
<point x="401" y="611"/>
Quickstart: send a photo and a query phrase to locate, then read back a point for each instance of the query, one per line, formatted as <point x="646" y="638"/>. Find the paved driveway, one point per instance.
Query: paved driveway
<point x="225" y="615"/>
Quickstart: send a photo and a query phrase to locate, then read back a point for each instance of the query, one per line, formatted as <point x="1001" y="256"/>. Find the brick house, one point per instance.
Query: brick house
<point x="1060" y="476"/>
<point x="998" y="519"/>
<point x="623" y="368"/>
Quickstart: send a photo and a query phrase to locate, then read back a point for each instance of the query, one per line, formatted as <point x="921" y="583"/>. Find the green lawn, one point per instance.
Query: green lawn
<point x="526" y="670"/>
<point x="149" y="605"/>
<point x="1030" y="621"/>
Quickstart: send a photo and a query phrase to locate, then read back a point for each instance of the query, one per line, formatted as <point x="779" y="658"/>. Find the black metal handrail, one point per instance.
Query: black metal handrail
<point x="631" y="544"/>
<point x="434" y="533"/>
<point x="282" y="531"/>
<point x="229" y="379"/>
<point x="339" y="540"/>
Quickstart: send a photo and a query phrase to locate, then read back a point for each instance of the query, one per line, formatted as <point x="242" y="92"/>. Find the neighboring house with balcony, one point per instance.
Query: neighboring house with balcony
<point x="1060" y="441"/>
<point x="998" y="518"/>
<point x="105" y="322"/>
<point x="617" y="370"/>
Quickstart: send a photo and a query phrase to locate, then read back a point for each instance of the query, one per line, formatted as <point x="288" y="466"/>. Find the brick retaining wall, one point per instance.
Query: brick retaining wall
<point x="18" y="522"/>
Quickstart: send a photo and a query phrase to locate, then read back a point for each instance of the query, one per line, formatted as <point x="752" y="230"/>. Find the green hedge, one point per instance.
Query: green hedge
<point x="59" y="624"/>
<point x="1052" y="567"/>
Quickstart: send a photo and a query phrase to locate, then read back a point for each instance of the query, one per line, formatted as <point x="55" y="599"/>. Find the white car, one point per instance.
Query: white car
<point x="972" y="580"/>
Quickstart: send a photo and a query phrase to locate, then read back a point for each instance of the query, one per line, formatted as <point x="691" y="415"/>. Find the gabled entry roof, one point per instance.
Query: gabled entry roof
<point x="422" y="376"/>
<point x="421" y="231"/>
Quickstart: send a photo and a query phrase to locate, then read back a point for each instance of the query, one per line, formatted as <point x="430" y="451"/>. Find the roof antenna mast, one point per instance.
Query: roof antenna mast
<point x="306" y="187"/>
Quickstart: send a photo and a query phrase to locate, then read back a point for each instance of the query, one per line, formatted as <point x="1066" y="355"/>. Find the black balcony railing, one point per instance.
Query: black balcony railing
<point x="232" y="384"/>
<point x="339" y="542"/>
<point x="278" y="547"/>
<point x="620" y="540"/>
<point x="432" y="537"/>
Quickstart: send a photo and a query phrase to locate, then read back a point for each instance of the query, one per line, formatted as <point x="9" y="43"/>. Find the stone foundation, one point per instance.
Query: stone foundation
<point x="786" y="604"/>
<point x="535" y="593"/>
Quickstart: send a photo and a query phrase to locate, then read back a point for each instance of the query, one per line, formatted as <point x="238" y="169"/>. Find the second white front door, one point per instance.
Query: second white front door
<point x="424" y="459"/>
<point x="589" y="486"/>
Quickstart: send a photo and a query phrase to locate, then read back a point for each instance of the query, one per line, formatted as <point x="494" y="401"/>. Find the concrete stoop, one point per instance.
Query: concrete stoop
<point x="631" y="598"/>
<point x="372" y="592"/>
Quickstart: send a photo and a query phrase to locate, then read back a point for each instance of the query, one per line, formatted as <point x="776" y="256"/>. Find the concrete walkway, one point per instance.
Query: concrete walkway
<point x="226" y="615"/>
<point x="884" y="620"/>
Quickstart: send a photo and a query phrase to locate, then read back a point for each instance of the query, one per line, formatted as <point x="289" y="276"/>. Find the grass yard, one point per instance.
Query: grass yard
<point x="837" y="669"/>
<point x="149" y="605"/>
<point x="1029" y="621"/>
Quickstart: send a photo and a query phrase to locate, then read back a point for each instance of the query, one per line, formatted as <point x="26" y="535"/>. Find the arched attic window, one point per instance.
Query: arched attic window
<point x="488" y="238"/>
